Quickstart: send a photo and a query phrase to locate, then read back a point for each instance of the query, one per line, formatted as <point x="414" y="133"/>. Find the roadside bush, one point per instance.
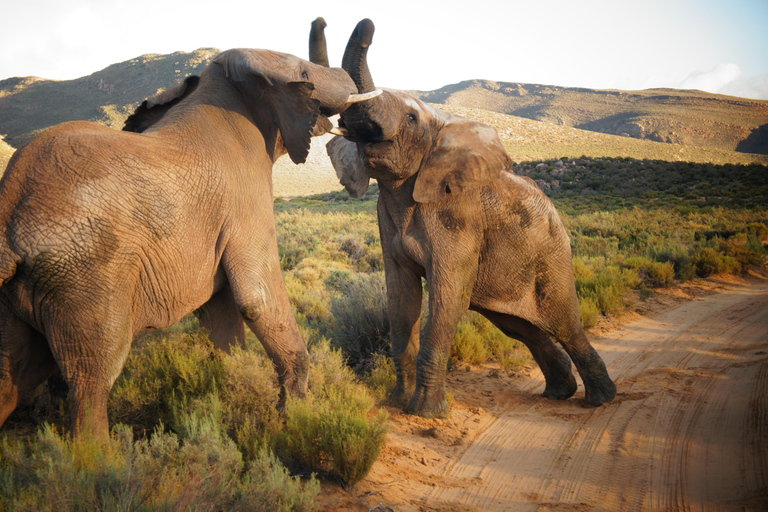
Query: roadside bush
<point x="381" y="378"/>
<point x="652" y="273"/>
<point x="330" y="430"/>
<point x="589" y="312"/>
<point x="163" y="472"/>
<point x="708" y="261"/>
<point x="361" y="322"/>
<point x="478" y="340"/>
<point x="163" y="372"/>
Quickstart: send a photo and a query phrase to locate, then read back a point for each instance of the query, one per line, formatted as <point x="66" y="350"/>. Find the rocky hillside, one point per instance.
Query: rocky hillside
<point x="691" y="118"/>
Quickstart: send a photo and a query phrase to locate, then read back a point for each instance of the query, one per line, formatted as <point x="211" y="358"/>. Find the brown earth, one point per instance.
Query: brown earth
<point x="688" y="429"/>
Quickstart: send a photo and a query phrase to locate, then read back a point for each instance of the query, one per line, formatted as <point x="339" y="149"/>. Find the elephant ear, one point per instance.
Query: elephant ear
<point x="466" y="155"/>
<point x="349" y="166"/>
<point x="294" y="110"/>
<point x="153" y="109"/>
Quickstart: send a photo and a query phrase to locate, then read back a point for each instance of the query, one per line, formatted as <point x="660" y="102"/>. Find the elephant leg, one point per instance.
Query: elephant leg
<point x="262" y="300"/>
<point x="25" y="361"/>
<point x="91" y="345"/>
<point x="404" y="295"/>
<point x="449" y="295"/>
<point x="221" y="318"/>
<point x="598" y="386"/>
<point x="553" y="362"/>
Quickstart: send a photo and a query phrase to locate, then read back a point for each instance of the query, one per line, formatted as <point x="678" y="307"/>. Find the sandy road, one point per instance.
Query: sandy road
<point x="688" y="429"/>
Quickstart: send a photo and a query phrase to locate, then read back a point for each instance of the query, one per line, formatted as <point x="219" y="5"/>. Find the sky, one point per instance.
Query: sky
<point x="719" y="46"/>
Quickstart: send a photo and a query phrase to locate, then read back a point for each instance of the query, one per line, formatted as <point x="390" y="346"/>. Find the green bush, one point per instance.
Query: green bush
<point x="203" y="471"/>
<point x="165" y="371"/>
<point x="330" y="430"/>
<point x="381" y="377"/>
<point x="651" y="273"/>
<point x="361" y="321"/>
<point x="478" y="340"/>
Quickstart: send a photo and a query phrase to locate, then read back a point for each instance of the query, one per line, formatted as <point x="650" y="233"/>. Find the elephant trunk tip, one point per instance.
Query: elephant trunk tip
<point x="318" y="52"/>
<point x="364" y="32"/>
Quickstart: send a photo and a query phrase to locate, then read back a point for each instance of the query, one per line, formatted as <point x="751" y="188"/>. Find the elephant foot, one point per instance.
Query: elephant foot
<point x="428" y="405"/>
<point x="404" y="389"/>
<point x="560" y="388"/>
<point x="599" y="391"/>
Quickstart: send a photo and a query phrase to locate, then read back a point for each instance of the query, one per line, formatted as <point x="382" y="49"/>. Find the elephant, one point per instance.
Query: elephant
<point x="105" y="233"/>
<point x="451" y="210"/>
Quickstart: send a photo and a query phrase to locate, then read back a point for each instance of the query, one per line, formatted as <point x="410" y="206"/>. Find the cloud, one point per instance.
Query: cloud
<point x="728" y="79"/>
<point x="713" y="80"/>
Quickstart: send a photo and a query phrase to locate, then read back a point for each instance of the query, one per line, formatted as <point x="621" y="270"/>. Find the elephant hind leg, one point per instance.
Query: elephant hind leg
<point x="25" y="361"/>
<point x="91" y="355"/>
<point x="598" y="386"/>
<point x="553" y="362"/>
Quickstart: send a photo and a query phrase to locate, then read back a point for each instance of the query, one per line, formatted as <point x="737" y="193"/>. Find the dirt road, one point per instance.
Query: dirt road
<point x="688" y="429"/>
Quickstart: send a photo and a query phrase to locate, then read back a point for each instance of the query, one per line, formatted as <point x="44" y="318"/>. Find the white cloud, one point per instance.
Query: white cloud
<point x="714" y="79"/>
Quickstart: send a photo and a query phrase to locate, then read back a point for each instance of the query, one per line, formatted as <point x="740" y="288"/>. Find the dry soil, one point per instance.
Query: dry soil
<point x="688" y="429"/>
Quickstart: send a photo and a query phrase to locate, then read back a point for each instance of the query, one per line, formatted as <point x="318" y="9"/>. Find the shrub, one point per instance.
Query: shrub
<point x="652" y="273"/>
<point x="478" y="340"/>
<point x="330" y="430"/>
<point x="201" y="472"/>
<point x="165" y="371"/>
<point x="361" y="322"/>
<point x="468" y="345"/>
<point x="380" y="378"/>
<point x="588" y="312"/>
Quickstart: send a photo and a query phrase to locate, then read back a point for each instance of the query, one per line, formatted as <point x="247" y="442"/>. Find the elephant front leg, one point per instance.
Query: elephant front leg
<point x="404" y="296"/>
<point x="260" y="296"/>
<point x="448" y="300"/>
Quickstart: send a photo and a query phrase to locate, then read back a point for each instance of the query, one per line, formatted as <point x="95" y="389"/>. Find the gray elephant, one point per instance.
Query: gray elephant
<point x="451" y="211"/>
<point x="104" y="233"/>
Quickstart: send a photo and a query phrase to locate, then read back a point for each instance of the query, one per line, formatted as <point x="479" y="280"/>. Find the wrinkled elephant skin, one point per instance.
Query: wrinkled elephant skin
<point x="104" y="233"/>
<point x="450" y="210"/>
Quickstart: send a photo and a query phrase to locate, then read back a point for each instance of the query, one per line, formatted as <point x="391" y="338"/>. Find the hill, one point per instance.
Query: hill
<point x="690" y="118"/>
<point x="547" y="122"/>
<point x="29" y="105"/>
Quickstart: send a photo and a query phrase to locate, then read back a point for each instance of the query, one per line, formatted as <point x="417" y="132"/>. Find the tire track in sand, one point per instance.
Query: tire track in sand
<point x="688" y="429"/>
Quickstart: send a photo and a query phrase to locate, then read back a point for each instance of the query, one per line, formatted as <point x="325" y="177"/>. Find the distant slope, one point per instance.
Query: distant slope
<point x="528" y="140"/>
<point x="29" y="105"/>
<point x="691" y="118"/>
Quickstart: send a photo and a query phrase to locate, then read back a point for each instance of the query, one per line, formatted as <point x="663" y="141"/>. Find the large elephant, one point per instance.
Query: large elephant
<point x="451" y="211"/>
<point x="104" y="233"/>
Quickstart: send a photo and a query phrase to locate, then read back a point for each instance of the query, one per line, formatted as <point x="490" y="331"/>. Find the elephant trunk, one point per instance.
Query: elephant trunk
<point x="365" y="121"/>
<point x="318" y="51"/>
<point x="355" y="61"/>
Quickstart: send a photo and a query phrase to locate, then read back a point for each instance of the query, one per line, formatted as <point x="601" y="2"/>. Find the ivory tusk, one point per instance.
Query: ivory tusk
<point x="339" y="131"/>
<point x="357" y="98"/>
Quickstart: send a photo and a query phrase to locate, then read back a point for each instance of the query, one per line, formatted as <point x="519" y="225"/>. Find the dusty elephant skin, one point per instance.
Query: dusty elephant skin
<point x="105" y="233"/>
<point x="485" y="239"/>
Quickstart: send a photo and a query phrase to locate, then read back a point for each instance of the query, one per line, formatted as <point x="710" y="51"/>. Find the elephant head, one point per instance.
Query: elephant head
<point x="395" y="137"/>
<point x="275" y="90"/>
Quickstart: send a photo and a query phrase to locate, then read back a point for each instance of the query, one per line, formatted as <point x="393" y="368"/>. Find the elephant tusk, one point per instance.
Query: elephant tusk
<point x="339" y="131"/>
<point x="357" y="98"/>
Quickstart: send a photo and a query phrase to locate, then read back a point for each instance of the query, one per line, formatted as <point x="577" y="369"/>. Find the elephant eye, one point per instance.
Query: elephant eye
<point x="305" y="76"/>
<point x="411" y="117"/>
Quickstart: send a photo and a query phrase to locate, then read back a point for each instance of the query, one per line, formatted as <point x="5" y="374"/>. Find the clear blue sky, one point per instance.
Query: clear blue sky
<point x="714" y="45"/>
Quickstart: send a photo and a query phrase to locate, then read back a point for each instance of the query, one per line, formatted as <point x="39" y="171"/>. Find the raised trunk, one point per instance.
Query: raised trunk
<point x="355" y="56"/>
<point x="318" y="51"/>
<point x="358" y="120"/>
